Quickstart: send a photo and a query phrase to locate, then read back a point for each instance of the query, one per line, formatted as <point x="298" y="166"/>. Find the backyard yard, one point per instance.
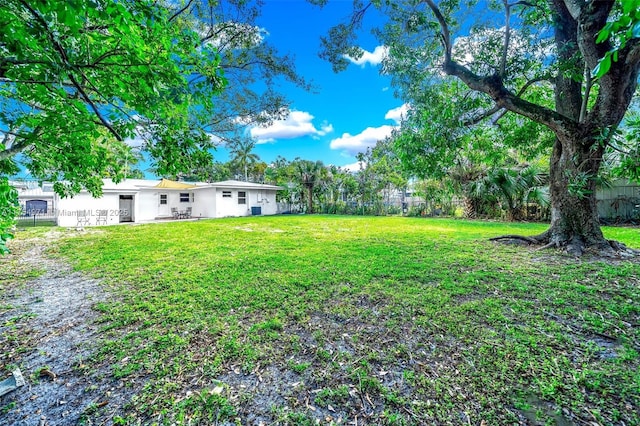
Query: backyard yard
<point x="304" y="320"/>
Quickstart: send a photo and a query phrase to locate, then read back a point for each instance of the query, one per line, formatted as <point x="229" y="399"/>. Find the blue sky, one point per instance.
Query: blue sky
<point x="346" y="113"/>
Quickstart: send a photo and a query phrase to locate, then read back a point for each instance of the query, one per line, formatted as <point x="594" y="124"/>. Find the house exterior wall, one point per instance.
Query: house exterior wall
<point x="83" y="210"/>
<point x="204" y="203"/>
<point x="148" y="205"/>
<point x="228" y="206"/>
<point x="265" y="199"/>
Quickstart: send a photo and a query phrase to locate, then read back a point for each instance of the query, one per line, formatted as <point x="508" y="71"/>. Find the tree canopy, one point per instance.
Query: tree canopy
<point x="535" y="59"/>
<point x="79" y="78"/>
<point x="85" y="82"/>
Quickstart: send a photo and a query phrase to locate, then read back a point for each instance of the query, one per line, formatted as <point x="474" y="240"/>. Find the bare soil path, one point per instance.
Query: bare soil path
<point x="47" y="329"/>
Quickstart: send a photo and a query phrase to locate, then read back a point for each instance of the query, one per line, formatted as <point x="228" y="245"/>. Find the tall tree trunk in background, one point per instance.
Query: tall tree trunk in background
<point x="310" y="198"/>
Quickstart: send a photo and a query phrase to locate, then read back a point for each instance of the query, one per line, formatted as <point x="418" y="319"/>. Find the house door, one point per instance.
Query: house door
<point x="163" y="205"/>
<point x="126" y="208"/>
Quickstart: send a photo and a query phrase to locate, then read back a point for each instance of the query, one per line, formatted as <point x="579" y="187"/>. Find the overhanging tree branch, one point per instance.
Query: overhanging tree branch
<point x="494" y="87"/>
<point x="18" y="146"/>
<point x="179" y="12"/>
<point x="63" y="55"/>
<point x="507" y="37"/>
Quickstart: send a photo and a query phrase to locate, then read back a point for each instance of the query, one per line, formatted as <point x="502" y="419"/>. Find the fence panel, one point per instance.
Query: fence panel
<point x="35" y="218"/>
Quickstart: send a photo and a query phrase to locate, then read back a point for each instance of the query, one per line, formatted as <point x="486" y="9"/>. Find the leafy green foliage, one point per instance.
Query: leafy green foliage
<point x="530" y="59"/>
<point x="79" y="78"/>
<point x="9" y="209"/>
<point x="242" y="156"/>
<point x="73" y="68"/>
<point x="514" y="190"/>
<point x="618" y="31"/>
<point x="625" y="155"/>
<point x="309" y="174"/>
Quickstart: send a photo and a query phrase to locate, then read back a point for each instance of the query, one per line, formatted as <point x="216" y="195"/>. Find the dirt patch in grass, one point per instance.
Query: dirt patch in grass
<point x="48" y="330"/>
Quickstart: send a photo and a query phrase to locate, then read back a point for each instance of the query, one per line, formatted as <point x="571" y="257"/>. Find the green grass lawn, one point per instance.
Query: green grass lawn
<point x="393" y="321"/>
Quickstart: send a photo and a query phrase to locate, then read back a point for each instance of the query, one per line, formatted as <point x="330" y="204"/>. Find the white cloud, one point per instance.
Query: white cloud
<point x="353" y="144"/>
<point x="363" y="140"/>
<point x="397" y="114"/>
<point x="354" y="167"/>
<point x="136" y="142"/>
<point x="297" y="124"/>
<point x="482" y="49"/>
<point x="325" y="128"/>
<point x="373" y="58"/>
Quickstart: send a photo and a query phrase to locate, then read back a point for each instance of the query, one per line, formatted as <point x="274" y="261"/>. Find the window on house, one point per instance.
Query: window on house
<point x="242" y="197"/>
<point x="185" y="197"/>
<point x="226" y="194"/>
<point x="163" y="199"/>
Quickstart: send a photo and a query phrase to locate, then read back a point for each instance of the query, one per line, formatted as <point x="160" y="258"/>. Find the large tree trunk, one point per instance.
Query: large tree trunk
<point x="574" y="213"/>
<point x="576" y="156"/>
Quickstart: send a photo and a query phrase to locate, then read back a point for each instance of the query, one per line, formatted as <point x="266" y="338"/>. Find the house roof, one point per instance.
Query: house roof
<point x="127" y="184"/>
<point x="170" y="184"/>
<point x="135" y="185"/>
<point x="244" y="185"/>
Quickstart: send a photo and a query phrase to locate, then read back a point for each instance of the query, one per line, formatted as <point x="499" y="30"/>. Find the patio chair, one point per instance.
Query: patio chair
<point x="174" y="213"/>
<point x="101" y="219"/>
<point x="187" y="213"/>
<point x="83" y="219"/>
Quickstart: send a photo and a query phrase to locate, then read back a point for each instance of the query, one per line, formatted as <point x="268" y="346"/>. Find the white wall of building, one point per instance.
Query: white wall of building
<point x="84" y="210"/>
<point x="205" y="203"/>
<point x="148" y="203"/>
<point x="265" y="199"/>
<point x="227" y="203"/>
<point x="230" y="206"/>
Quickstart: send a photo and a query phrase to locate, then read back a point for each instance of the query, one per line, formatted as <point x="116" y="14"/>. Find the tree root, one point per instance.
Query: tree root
<point x="553" y="244"/>
<point x="530" y="240"/>
<point x="622" y="248"/>
<point x="574" y="246"/>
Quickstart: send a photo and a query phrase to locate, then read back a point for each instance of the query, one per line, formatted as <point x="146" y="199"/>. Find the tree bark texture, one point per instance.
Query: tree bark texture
<point x="574" y="211"/>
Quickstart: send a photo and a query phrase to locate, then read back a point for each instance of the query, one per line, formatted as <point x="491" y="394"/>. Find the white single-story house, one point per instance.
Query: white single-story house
<point x="139" y="200"/>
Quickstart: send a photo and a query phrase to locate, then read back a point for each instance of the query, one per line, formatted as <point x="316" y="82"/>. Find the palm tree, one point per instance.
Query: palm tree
<point x="309" y="173"/>
<point x="241" y="155"/>
<point x="515" y="188"/>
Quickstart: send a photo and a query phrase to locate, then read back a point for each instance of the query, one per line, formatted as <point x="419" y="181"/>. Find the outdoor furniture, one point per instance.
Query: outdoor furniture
<point x="101" y="218"/>
<point x="175" y="213"/>
<point x="83" y="219"/>
<point x="185" y="214"/>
